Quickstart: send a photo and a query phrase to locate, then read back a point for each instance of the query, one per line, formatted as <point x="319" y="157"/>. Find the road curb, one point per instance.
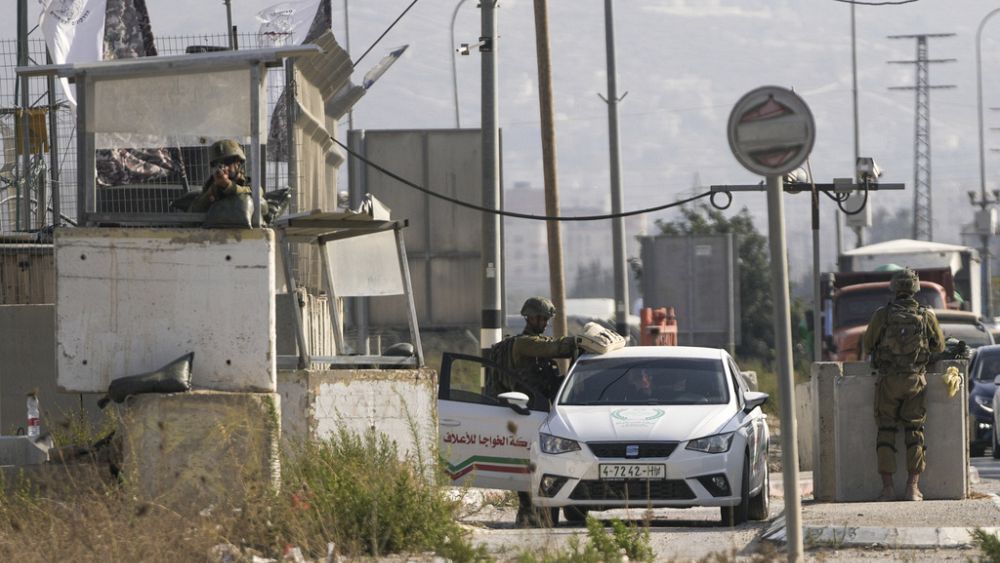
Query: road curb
<point x="877" y="536"/>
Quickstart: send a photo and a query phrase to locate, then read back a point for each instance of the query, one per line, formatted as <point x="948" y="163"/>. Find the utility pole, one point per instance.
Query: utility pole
<point x="24" y="177"/>
<point x="859" y="231"/>
<point x="923" y="224"/>
<point x="492" y="314"/>
<point x="617" y="201"/>
<point x="985" y="222"/>
<point x="545" y="105"/>
<point x="229" y="25"/>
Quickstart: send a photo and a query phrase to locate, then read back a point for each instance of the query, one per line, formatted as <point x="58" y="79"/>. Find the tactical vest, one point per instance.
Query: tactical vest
<point x="903" y="345"/>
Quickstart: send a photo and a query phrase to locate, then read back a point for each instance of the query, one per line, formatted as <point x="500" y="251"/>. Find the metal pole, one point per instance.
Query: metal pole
<point x="454" y="65"/>
<point x="229" y="24"/>
<point x="857" y="135"/>
<point x="54" y="174"/>
<point x="347" y="43"/>
<point x="783" y="345"/>
<point x="492" y="313"/>
<point x="987" y="274"/>
<point x="24" y="177"/>
<point x="617" y="224"/>
<point x="817" y="324"/>
<point x="545" y="104"/>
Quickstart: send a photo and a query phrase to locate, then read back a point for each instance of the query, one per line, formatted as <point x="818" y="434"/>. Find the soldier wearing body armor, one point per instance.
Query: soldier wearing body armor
<point x="228" y="178"/>
<point x="531" y="356"/>
<point x="901" y="338"/>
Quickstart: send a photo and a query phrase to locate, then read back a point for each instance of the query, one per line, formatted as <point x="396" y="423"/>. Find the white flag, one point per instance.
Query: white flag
<point x="74" y="32"/>
<point x="286" y="23"/>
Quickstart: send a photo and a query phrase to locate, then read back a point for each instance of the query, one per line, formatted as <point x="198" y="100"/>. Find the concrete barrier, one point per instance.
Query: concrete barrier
<point x="28" y="352"/>
<point x="22" y="450"/>
<point x="824" y="376"/>
<point x="851" y="471"/>
<point x="190" y="450"/>
<point x="400" y="403"/>
<point x="804" y="425"/>
<point x="129" y="301"/>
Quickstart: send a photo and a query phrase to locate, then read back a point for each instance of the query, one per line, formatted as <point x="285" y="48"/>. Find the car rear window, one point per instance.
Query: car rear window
<point x="973" y="335"/>
<point x="986" y="365"/>
<point x="646" y="381"/>
<point x="856" y="308"/>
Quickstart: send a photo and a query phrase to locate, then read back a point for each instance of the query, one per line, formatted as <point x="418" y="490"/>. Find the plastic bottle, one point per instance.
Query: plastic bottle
<point x="34" y="419"/>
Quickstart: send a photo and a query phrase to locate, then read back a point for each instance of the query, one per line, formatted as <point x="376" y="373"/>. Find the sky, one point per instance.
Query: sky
<point x="683" y="64"/>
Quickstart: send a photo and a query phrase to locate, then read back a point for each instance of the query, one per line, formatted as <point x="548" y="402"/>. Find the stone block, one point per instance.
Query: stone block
<point x="22" y="450"/>
<point x="401" y="403"/>
<point x="804" y="425"/>
<point x="28" y="349"/>
<point x="189" y="450"/>
<point x="946" y="476"/>
<point x="129" y="301"/>
<point x="824" y="375"/>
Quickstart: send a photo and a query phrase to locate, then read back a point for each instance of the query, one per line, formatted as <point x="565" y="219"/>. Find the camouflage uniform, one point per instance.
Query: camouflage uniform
<point x="900" y="396"/>
<point x="223" y="151"/>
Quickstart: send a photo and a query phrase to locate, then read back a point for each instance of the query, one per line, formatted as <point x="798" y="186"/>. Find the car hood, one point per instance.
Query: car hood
<point x="638" y="423"/>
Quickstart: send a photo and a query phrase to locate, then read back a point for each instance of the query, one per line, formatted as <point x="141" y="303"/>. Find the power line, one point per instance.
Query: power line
<point x="384" y="33"/>
<point x="516" y="215"/>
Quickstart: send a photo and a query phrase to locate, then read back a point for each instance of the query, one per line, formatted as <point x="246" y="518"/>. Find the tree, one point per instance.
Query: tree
<point x="756" y="320"/>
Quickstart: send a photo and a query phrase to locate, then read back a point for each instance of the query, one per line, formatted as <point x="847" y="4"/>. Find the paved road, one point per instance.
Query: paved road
<point x="693" y="534"/>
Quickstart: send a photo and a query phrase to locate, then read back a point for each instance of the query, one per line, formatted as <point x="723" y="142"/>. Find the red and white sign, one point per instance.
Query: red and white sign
<point x="771" y="131"/>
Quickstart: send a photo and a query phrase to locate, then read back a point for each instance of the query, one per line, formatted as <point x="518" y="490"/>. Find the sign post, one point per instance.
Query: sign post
<point x="771" y="132"/>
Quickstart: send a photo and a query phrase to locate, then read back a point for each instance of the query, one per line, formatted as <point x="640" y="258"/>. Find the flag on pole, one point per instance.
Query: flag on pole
<point x="74" y="32"/>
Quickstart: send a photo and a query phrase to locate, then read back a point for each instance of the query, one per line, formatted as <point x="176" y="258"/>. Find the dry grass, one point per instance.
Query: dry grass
<point x="351" y="491"/>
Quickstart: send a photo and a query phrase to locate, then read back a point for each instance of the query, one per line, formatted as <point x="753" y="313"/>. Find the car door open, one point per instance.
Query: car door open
<point x="484" y="440"/>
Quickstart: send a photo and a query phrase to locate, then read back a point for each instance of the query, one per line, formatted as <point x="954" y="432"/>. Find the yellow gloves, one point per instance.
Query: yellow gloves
<point x="952" y="379"/>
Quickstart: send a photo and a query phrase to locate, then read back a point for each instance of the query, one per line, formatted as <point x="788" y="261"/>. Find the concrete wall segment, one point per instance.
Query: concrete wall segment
<point x="946" y="476"/>
<point x="131" y="300"/>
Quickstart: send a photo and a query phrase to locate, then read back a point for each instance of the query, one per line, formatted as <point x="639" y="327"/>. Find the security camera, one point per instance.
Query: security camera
<point x="797" y="176"/>
<point x="463" y="49"/>
<point x="866" y="169"/>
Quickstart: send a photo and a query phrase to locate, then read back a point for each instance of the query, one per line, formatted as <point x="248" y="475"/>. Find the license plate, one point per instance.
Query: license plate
<point x="614" y="471"/>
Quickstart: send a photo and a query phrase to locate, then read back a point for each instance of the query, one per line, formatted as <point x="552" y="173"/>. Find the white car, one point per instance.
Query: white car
<point x="655" y="426"/>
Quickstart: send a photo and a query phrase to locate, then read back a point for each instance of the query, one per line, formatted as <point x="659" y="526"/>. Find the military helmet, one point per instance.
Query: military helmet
<point x="226" y="148"/>
<point x="538" y="306"/>
<point x="905" y="281"/>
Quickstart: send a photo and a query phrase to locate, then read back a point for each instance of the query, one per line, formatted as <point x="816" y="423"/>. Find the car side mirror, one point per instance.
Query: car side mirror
<point x="515" y="400"/>
<point x="996" y="380"/>
<point x="754" y="399"/>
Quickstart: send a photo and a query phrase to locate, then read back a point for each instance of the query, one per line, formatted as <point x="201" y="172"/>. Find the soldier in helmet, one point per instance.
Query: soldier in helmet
<point x="228" y="177"/>
<point x="532" y="355"/>
<point x="901" y="338"/>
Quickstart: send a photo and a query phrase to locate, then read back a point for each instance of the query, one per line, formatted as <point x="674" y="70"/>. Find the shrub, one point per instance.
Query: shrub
<point x="624" y="540"/>
<point x="988" y="543"/>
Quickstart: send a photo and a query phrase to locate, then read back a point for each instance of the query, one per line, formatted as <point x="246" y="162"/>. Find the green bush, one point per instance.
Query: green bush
<point x="355" y="491"/>
<point x="988" y="543"/>
<point x="601" y="546"/>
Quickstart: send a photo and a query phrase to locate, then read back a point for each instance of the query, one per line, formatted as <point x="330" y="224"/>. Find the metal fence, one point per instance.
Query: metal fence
<point x="40" y="190"/>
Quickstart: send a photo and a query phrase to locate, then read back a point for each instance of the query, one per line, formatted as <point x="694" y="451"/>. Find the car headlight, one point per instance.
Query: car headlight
<point x="985" y="402"/>
<point x="716" y="444"/>
<point x="555" y="445"/>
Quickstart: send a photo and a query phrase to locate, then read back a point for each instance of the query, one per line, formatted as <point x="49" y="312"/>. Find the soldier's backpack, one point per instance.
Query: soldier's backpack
<point x="903" y="344"/>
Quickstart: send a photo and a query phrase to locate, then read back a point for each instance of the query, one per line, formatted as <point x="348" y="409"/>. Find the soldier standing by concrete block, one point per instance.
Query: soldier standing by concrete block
<point x="901" y="338"/>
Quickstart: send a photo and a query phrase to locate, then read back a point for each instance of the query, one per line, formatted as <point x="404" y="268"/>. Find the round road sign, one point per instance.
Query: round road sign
<point x="771" y="131"/>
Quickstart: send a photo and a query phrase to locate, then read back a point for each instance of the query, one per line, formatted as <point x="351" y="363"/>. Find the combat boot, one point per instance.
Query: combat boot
<point x="912" y="488"/>
<point x="888" y="491"/>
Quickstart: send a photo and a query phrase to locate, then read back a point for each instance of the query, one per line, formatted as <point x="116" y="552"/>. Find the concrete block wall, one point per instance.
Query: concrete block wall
<point x="189" y="450"/>
<point x="129" y="301"/>
<point x="845" y="467"/>
<point x="401" y="403"/>
<point x="28" y="364"/>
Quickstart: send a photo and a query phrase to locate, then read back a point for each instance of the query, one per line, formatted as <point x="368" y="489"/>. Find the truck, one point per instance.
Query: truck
<point x="949" y="279"/>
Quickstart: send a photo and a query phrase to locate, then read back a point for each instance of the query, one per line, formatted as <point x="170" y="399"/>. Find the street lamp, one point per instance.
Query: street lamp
<point x="983" y="200"/>
<point x="454" y="68"/>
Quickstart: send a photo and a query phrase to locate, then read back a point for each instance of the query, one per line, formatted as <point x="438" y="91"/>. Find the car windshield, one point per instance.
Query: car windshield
<point x="856" y="308"/>
<point x="986" y="365"/>
<point x="973" y="335"/>
<point x="646" y="381"/>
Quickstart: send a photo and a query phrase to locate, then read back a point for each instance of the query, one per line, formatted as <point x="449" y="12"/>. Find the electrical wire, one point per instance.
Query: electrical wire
<point x="887" y="3"/>
<point x="384" y="33"/>
<point x="517" y="215"/>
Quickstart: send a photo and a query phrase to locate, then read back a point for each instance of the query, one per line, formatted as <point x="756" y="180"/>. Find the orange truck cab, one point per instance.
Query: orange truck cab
<point x="853" y="306"/>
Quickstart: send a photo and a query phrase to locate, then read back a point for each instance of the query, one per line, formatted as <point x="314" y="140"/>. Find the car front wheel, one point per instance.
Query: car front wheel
<point x="737" y="515"/>
<point x="575" y="514"/>
<point x="760" y="504"/>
